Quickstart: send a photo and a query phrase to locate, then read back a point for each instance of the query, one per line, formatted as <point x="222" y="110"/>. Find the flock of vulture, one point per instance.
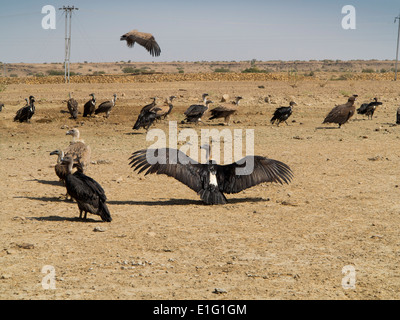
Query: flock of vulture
<point x="209" y="180"/>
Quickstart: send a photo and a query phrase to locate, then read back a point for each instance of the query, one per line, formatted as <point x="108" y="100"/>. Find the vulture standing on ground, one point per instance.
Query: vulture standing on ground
<point x="341" y="114"/>
<point x="368" y="109"/>
<point x="225" y="111"/>
<point x="283" y="113"/>
<point x="72" y="105"/>
<point x="106" y="107"/>
<point x="1" y="106"/>
<point x="78" y="150"/>
<point x="398" y="116"/>
<point x="26" y="113"/>
<point x="166" y="109"/>
<point x="146" y="118"/>
<point x="196" y="111"/>
<point x="61" y="168"/>
<point x="90" y="106"/>
<point x="88" y="193"/>
<point x="210" y="180"/>
<point x="144" y="39"/>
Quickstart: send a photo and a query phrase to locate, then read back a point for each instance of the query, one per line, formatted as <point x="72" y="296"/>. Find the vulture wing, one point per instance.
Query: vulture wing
<point x="174" y="164"/>
<point x="146" y="40"/>
<point x="264" y="170"/>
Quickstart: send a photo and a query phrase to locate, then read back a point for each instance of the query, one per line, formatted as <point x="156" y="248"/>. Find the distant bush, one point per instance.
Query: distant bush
<point x="97" y="73"/>
<point x="55" y="72"/>
<point x="222" y="70"/>
<point x="13" y="75"/>
<point x="254" y="70"/>
<point x="368" y="70"/>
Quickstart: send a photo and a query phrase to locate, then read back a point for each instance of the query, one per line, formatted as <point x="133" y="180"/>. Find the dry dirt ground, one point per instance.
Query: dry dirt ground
<point x="270" y="242"/>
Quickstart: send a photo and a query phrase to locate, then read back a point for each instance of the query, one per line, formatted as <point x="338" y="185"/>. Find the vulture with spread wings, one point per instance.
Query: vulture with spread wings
<point x="146" y="40"/>
<point x="211" y="180"/>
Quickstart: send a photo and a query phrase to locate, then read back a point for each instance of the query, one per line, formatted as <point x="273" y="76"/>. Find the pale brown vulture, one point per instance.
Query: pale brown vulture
<point x="144" y="39"/>
<point x="78" y="150"/>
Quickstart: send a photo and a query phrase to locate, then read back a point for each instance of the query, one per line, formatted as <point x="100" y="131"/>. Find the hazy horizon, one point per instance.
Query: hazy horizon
<point x="189" y="31"/>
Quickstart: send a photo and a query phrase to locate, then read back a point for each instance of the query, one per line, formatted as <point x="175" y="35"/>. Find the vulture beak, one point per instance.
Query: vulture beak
<point x="123" y="38"/>
<point x="69" y="133"/>
<point x="54" y="152"/>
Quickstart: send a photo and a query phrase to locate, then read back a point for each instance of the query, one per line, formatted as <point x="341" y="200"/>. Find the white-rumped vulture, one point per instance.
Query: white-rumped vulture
<point x="80" y="152"/>
<point x="342" y="113"/>
<point x="225" y="111"/>
<point x="195" y="112"/>
<point x="106" y="107"/>
<point x="283" y="113"/>
<point x="211" y="180"/>
<point x="88" y="193"/>
<point x="146" y="117"/>
<point x="26" y="112"/>
<point x="146" y="40"/>
<point x="90" y="106"/>
<point x="368" y="109"/>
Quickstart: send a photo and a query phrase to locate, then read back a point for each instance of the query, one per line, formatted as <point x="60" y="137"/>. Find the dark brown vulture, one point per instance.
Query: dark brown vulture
<point x="144" y="39"/>
<point x="225" y="111"/>
<point x="211" y="180"/>
<point x="72" y="105"/>
<point x="341" y="114"/>
<point x="1" y="106"/>
<point x="88" y="193"/>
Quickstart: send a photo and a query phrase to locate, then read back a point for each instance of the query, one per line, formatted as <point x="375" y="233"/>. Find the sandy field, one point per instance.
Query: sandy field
<point x="270" y="242"/>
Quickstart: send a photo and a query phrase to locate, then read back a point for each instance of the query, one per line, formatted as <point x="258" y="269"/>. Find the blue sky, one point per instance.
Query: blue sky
<point x="187" y="30"/>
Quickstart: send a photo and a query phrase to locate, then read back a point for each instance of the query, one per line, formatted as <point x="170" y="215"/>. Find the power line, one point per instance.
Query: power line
<point x="397" y="51"/>
<point x="68" y="21"/>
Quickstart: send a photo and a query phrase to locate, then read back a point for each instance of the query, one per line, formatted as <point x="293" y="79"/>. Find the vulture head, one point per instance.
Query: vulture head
<point x="353" y="98"/>
<point x="74" y="133"/>
<point x="292" y="103"/>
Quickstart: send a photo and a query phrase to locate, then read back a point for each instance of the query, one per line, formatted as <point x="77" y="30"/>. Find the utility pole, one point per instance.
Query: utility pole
<point x="68" y="20"/>
<point x="397" y="51"/>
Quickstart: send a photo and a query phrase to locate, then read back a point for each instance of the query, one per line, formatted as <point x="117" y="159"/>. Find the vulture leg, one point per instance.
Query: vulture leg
<point x="80" y="214"/>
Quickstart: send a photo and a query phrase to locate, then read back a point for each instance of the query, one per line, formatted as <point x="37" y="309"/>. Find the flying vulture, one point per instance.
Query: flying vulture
<point x="146" y="40"/>
<point x="211" y="180"/>
<point x="342" y="113"/>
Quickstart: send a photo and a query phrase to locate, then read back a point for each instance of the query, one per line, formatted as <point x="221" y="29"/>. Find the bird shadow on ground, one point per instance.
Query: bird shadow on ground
<point x="44" y="199"/>
<point x="133" y="133"/>
<point x="52" y="183"/>
<point x="62" y="219"/>
<point x="181" y="202"/>
<point x="326" y="128"/>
